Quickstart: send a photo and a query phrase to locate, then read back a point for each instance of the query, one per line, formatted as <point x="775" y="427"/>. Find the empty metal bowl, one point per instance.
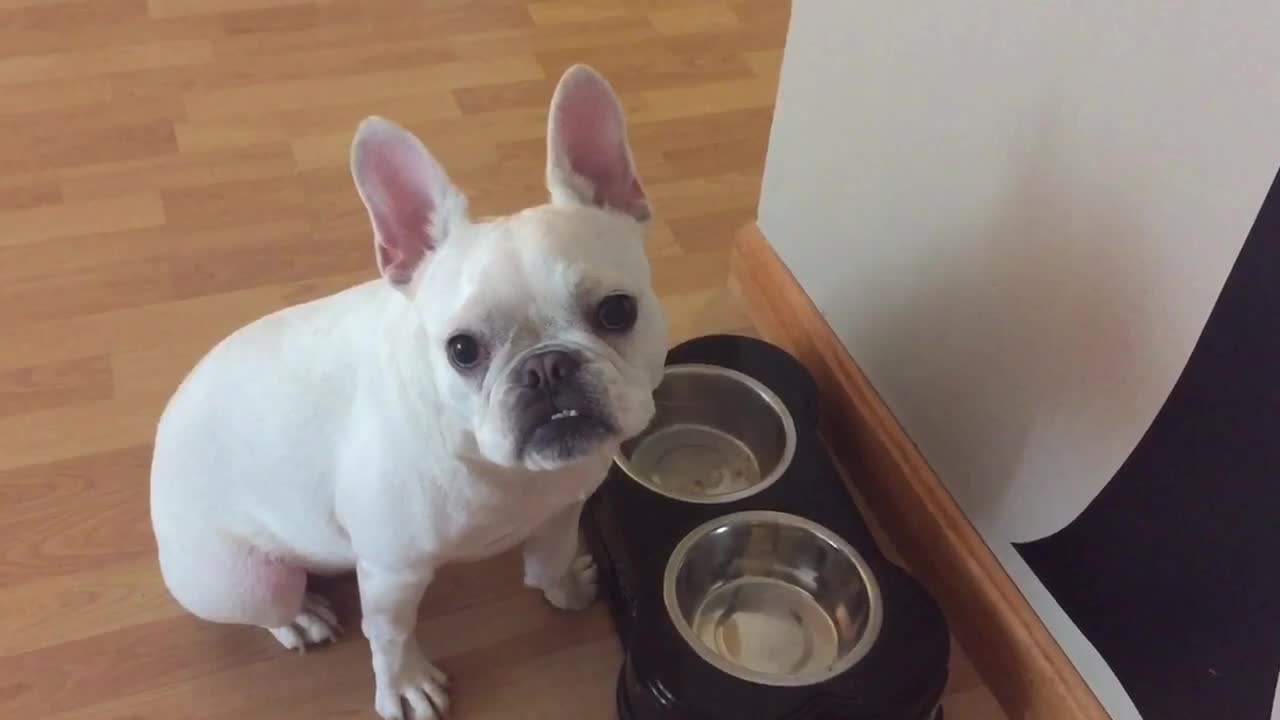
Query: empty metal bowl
<point x="717" y="436"/>
<point x="772" y="598"/>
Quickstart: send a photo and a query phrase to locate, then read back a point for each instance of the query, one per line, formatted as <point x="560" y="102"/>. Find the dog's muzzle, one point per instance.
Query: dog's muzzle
<point x="560" y="413"/>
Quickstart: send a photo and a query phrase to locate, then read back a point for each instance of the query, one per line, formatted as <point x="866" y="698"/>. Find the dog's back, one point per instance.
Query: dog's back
<point x="254" y="418"/>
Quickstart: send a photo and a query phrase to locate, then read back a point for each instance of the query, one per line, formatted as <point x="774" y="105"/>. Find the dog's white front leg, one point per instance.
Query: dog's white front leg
<point x="553" y="562"/>
<point x="407" y="685"/>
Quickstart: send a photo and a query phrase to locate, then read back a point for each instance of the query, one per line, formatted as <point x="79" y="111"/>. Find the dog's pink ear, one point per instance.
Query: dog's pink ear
<point x="588" y="159"/>
<point x="411" y="201"/>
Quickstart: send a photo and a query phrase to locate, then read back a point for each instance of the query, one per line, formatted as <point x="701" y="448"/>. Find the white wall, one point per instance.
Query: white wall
<point x="1017" y="216"/>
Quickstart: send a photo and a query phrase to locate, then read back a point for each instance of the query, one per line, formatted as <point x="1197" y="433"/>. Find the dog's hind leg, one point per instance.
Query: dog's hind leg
<point x="227" y="582"/>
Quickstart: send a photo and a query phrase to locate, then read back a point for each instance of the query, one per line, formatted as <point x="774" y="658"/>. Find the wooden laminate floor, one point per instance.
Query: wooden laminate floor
<point x="171" y="169"/>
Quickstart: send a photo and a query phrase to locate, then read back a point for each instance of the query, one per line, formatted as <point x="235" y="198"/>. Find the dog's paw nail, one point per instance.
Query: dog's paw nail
<point x="415" y="691"/>
<point x="315" y="625"/>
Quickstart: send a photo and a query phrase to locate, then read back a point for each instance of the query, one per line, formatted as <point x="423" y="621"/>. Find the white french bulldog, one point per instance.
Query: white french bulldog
<point x="466" y="402"/>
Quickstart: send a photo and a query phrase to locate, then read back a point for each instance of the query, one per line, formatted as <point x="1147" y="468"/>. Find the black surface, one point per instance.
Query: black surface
<point x="632" y="531"/>
<point x="901" y="679"/>
<point x="1172" y="571"/>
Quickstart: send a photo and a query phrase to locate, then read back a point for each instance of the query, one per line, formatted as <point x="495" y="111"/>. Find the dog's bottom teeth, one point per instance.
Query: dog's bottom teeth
<point x="565" y="414"/>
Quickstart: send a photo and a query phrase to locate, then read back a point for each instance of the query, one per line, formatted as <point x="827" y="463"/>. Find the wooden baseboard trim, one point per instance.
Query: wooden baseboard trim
<point x="1015" y="654"/>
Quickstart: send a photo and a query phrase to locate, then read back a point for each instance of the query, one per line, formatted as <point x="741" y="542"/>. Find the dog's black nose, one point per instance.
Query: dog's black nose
<point x="547" y="369"/>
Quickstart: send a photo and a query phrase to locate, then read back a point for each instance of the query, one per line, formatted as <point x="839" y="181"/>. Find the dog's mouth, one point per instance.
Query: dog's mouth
<point x="569" y="420"/>
<point x="565" y="434"/>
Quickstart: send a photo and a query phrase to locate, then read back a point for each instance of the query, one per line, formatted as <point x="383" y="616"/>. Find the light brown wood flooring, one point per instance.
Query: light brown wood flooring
<point x="171" y="169"/>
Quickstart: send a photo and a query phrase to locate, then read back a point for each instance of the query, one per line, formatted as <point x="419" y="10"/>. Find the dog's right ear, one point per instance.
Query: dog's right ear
<point x="412" y="203"/>
<point x="588" y="158"/>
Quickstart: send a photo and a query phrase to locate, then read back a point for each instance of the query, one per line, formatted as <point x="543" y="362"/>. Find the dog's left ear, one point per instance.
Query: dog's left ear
<point x="588" y="158"/>
<point x="411" y="201"/>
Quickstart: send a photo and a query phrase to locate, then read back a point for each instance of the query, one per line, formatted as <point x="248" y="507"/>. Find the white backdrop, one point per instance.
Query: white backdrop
<point x="1017" y="217"/>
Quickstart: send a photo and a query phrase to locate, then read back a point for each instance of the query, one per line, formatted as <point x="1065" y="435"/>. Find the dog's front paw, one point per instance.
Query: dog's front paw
<point x="413" y="691"/>
<point x="577" y="589"/>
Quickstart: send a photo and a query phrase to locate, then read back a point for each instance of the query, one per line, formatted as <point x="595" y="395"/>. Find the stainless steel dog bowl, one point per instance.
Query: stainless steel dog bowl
<point x="772" y="598"/>
<point x="717" y="436"/>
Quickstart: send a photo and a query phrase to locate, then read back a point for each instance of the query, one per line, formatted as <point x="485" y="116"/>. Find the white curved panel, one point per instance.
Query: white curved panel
<point x="1036" y="206"/>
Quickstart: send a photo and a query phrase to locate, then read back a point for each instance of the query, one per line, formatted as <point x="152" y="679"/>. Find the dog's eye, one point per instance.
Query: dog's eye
<point x="616" y="313"/>
<point x="464" y="351"/>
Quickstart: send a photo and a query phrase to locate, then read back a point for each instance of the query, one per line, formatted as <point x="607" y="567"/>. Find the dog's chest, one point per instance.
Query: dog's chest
<point x="486" y="516"/>
<point x="486" y="537"/>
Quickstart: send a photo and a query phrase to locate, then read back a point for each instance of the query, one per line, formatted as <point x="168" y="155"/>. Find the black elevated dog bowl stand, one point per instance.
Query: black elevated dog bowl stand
<point x="633" y="531"/>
